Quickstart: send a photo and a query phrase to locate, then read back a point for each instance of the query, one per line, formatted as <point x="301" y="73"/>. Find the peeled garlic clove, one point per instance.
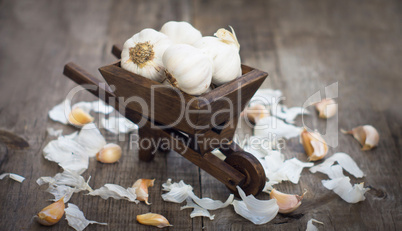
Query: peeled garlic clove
<point x="153" y="219"/>
<point x="287" y="202"/>
<point x="51" y="214"/>
<point x="326" y="108"/>
<point x="141" y="189"/>
<point x="109" y="154"/>
<point x="314" y="145"/>
<point x="255" y="112"/>
<point x="367" y="135"/>
<point x="79" y="117"/>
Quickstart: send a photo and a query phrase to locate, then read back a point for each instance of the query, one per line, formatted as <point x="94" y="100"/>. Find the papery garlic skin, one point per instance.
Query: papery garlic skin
<point x="314" y="145"/>
<point x="224" y="51"/>
<point x="367" y="136"/>
<point x="327" y="108"/>
<point x="51" y="214"/>
<point x="142" y="54"/>
<point x="153" y="219"/>
<point x="109" y="154"/>
<point x="287" y="202"/>
<point x="188" y="68"/>
<point x="181" y="32"/>
<point x="141" y="189"/>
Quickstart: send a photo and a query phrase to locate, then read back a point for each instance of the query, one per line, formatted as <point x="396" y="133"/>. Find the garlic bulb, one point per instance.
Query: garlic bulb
<point x="224" y="51"/>
<point x="142" y="54"/>
<point x="181" y="32"/>
<point x="188" y="69"/>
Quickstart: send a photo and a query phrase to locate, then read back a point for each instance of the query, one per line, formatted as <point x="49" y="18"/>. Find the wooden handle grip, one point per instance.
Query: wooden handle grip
<point x="88" y="81"/>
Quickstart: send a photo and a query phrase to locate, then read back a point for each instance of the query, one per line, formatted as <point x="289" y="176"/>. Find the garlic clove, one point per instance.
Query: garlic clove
<point x="141" y="189"/>
<point x="255" y="112"/>
<point x="79" y="117"/>
<point x="109" y="154"/>
<point x="51" y="214"/>
<point x="367" y="136"/>
<point x="287" y="202"/>
<point x="326" y="108"/>
<point x="315" y="146"/>
<point x="153" y="219"/>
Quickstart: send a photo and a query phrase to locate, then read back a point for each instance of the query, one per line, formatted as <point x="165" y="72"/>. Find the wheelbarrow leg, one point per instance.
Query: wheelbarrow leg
<point x="146" y="147"/>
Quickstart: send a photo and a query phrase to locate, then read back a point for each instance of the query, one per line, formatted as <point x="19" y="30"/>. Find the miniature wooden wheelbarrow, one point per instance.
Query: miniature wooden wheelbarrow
<point x="211" y="124"/>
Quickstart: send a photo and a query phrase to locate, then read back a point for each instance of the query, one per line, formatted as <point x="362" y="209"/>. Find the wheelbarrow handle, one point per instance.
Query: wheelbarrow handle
<point x="88" y="81"/>
<point x="116" y="51"/>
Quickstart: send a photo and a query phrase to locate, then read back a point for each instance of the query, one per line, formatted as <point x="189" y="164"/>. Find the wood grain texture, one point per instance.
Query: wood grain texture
<point x="305" y="46"/>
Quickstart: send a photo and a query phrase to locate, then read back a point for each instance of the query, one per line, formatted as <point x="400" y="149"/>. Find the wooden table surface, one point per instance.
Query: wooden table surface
<point x="304" y="45"/>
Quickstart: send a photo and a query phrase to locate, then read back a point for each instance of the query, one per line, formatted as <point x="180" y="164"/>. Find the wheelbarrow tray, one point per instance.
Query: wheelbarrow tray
<point x="176" y="109"/>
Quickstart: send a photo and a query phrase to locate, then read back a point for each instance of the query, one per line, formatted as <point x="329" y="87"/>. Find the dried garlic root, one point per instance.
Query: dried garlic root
<point x="326" y="108"/>
<point x="153" y="219"/>
<point x="141" y="189"/>
<point x="51" y="214"/>
<point x="109" y="154"/>
<point x="287" y="202"/>
<point x="79" y="117"/>
<point x="367" y="136"/>
<point x="314" y="145"/>
<point x="255" y="113"/>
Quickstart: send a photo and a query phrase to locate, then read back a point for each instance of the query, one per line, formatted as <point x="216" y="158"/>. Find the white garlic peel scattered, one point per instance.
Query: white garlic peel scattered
<point x="287" y="114"/>
<point x="224" y="52"/>
<point x="142" y="54"/>
<point x="13" y="176"/>
<point x="257" y="211"/>
<point x="287" y="202"/>
<point x="188" y="68"/>
<point x="367" y="136"/>
<point x="118" y="125"/>
<point x="72" y="151"/>
<point x="198" y="211"/>
<point x="109" y="154"/>
<point x="343" y="160"/>
<point x="181" y="32"/>
<point x="115" y="191"/>
<point x="327" y="108"/>
<point x="274" y="128"/>
<point x="66" y="178"/>
<point x="311" y="227"/>
<point x="343" y="187"/>
<point x="76" y="219"/>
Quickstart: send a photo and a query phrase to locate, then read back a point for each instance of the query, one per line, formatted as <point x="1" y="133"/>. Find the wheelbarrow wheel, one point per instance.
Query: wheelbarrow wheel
<point x="249" y="166"/>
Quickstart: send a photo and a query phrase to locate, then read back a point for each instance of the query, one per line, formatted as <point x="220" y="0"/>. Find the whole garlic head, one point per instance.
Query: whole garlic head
<point x="188" y="68"/>
<point x="224" y="51"/>
<point x="142" y="54"/>
<point x="181" y="32"/>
